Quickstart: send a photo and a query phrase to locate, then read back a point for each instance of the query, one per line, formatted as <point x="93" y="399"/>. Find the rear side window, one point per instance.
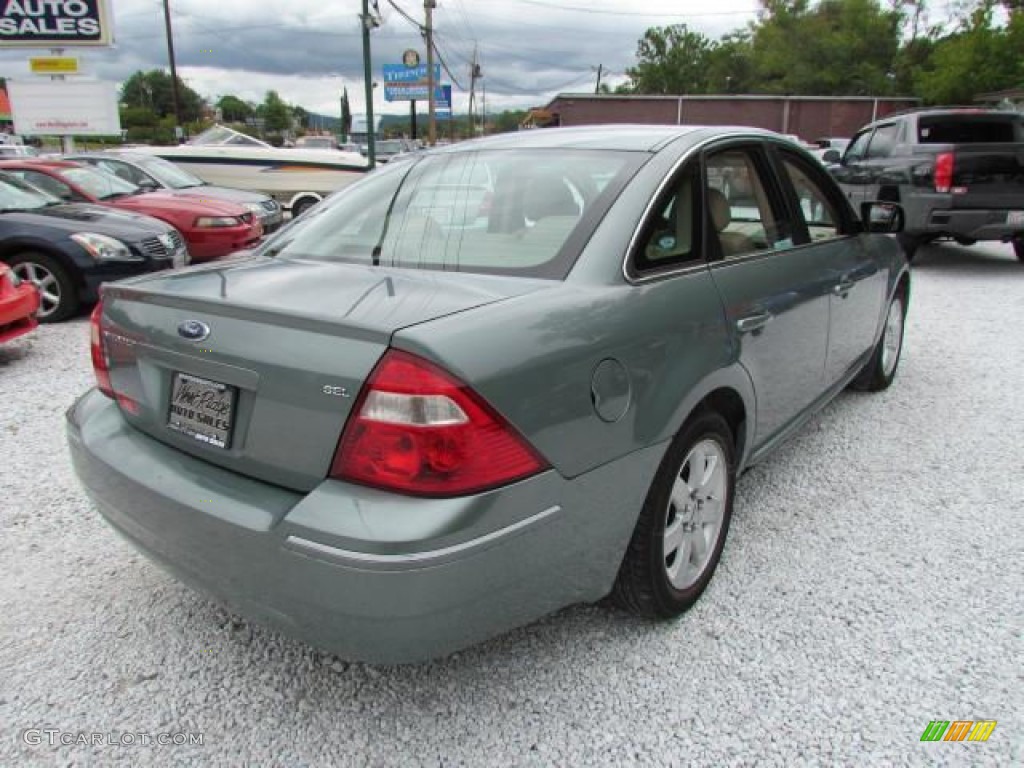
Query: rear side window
<point x="970" y="129"/>
<point x="497" y="211"/>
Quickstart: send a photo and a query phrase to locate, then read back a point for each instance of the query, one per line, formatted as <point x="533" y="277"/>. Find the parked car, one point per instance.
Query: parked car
<point x="829" y="149"/>
<point x="67" y="250"/>
<point x="151" y="172"/>
<point x="958" y="173"/>
<point x="19" y="302"/>
<point x="211" y="228"/>
<point x="396" y="433"/>
<point x="18" y="150"/>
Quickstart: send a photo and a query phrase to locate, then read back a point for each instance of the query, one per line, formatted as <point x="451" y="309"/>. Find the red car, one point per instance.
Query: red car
<point x="211" y="228"/>
<point x="19" y="301"/>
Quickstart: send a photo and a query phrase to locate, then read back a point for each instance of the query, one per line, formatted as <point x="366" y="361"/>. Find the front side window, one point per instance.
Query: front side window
<point x="496" y="211"/>
<point x="818" y="211"/>
<point x="884" y="140"/>
<point x="858" y="147"/>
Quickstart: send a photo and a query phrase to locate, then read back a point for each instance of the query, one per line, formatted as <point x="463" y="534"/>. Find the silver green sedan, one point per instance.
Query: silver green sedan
<point x="488" y="382"/>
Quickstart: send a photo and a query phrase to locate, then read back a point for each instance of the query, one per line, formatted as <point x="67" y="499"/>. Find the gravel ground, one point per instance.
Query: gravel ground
<point x="872" y="582"/>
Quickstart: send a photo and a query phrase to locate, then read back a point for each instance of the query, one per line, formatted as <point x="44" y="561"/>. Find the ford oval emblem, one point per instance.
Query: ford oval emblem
<point x="193" y="330"/>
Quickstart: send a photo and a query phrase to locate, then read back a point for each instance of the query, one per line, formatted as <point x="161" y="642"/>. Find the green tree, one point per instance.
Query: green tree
<point x="978" y="57"/>
<point x="276" y="114"/>
<point x="838" y="47"/>
<point x="671" y="60"/>
<point x="234" y="110"/>
<point x="152" y="90"/>
<point x="346" y="114"/>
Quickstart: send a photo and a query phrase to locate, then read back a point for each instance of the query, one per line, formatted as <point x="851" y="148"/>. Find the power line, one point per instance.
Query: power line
<point x="609" y="12"/>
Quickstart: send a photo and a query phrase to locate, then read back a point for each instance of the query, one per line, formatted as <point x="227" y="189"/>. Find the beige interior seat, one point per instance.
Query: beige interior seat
<point x="733" y="243"/>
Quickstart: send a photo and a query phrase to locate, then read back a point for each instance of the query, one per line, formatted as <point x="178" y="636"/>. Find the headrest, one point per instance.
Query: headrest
<point x="721" y="212"/>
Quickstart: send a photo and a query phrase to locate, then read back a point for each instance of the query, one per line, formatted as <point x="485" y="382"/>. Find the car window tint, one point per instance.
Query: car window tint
<point x="739" y="209"/>
<point x="46" y="183"/>
<point x="858" y="147"/>
<point x="121" y="170"/>
<point x="671" y="236"/>
<point x="501" y="211"/>
<point x="884" y="140"/>
<point x="818" y="212"/>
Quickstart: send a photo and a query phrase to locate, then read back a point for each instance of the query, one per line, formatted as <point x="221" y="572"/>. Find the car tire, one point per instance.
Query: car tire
<point x="303" y="205"/>
<point x="880" y="369"/>
<point x="1018" y="249"/>
<point x="58" y="298"/>
<point x="682" y="528"/>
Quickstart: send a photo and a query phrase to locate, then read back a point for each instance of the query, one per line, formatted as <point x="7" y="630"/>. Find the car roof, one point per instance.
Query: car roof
<point x="39" y="162"/>
<point x="620" y="137"/>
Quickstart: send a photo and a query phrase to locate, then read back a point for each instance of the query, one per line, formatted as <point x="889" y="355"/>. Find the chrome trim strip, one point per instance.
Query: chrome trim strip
<point x="429" y="557"/>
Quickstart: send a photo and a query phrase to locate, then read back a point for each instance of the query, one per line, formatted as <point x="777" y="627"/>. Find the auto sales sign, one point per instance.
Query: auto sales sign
<point x="54" y="23"/>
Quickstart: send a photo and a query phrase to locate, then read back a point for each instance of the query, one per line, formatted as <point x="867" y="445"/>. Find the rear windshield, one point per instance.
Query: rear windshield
<point x="496" y="211"/>
<point x="970" y="129"/>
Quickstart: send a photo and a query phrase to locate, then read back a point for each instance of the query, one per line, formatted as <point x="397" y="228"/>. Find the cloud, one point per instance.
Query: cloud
<point x="308" y="50"/>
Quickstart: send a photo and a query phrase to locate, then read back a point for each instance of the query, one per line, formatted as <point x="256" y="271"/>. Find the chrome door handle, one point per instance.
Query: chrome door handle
<point x="843" y="287"/>
<point x="752" y="323"/>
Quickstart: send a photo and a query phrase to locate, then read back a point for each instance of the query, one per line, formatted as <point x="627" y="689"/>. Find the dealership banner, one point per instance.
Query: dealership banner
<point x="45" y="107"/>
<point x="55" y="23"/>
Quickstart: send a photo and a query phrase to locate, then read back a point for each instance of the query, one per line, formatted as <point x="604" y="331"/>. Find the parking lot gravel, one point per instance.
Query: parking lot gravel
<point x="872" y="582"/>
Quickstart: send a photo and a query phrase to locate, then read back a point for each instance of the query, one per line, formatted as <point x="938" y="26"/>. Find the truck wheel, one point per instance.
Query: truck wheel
<point x="302" y="205"/>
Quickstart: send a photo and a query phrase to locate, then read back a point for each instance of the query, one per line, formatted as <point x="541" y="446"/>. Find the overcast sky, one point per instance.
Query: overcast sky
<point x="308" y="49"/>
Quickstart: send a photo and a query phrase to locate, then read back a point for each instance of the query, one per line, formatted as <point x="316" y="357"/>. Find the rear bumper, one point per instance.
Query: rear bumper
<point x="962" y="222"/>
<point x="366" y="574"/>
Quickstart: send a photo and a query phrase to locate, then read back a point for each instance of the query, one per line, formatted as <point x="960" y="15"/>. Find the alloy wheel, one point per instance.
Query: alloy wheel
<point x="45" y="281"/>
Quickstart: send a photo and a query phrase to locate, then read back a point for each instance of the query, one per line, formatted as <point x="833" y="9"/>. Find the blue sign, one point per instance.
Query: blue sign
<point x="418" y="92"/>
<point x="398" y="73"/>
<point x="443" y="103"/>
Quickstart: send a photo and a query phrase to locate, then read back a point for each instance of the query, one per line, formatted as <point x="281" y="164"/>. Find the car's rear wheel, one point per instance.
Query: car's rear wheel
<point x="678" y="539"/>
<point x="880" y="369"/>
<point x="1018" y="248"/>
<point x="58" y="299"/>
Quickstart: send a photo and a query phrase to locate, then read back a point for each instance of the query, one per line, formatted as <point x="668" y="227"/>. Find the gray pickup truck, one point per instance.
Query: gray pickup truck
<point x="958" y="173"/>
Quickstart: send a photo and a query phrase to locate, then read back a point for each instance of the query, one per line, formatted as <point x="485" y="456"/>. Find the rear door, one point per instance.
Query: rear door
<point x="826" y="230"/>
<point x="776" y="296"/>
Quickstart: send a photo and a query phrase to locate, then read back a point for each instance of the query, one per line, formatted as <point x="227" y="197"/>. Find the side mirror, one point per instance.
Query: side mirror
<point x="880" y="216"/>
<point x="831" y="156"/>
<point x="147" y="184"/>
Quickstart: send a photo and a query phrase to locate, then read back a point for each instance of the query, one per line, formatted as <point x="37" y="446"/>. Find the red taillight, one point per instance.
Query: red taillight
<point x="943" y="171"/>
<point x="99" y="354"/>
<point x="417" y="429"/>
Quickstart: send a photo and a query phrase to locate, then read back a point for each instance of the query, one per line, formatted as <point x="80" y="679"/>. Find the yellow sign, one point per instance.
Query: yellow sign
<point x="53" y="65"/>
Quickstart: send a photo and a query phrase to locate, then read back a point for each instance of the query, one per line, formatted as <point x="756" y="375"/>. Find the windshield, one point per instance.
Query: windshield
<point x="18" y="195"/>
<point x="313" y="142"/>
<point x="504" y="212"/>
<point x="220" y="135"/>
<point x="167" y="173"/>
<point x="99" y="184"/>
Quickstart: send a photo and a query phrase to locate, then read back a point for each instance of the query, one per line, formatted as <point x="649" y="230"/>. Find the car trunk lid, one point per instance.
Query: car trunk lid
<point x="254" y="365"/>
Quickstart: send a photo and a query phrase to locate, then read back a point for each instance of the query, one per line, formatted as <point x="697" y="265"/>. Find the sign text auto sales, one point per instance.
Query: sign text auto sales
<point x="53" y="23"/>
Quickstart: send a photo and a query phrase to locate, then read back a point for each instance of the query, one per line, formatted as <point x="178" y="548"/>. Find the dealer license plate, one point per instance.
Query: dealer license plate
<point x="202" y="409"/>
<point x="1015" y="218"/>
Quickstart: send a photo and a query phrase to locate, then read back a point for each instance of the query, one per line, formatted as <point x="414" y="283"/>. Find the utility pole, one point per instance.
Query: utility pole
<point x="428" y="31"/>
<point x="597" y="88"/>
<point x="174" y="68"/>
<point x="368" y="23"/>
<point x="474" y="75"/>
